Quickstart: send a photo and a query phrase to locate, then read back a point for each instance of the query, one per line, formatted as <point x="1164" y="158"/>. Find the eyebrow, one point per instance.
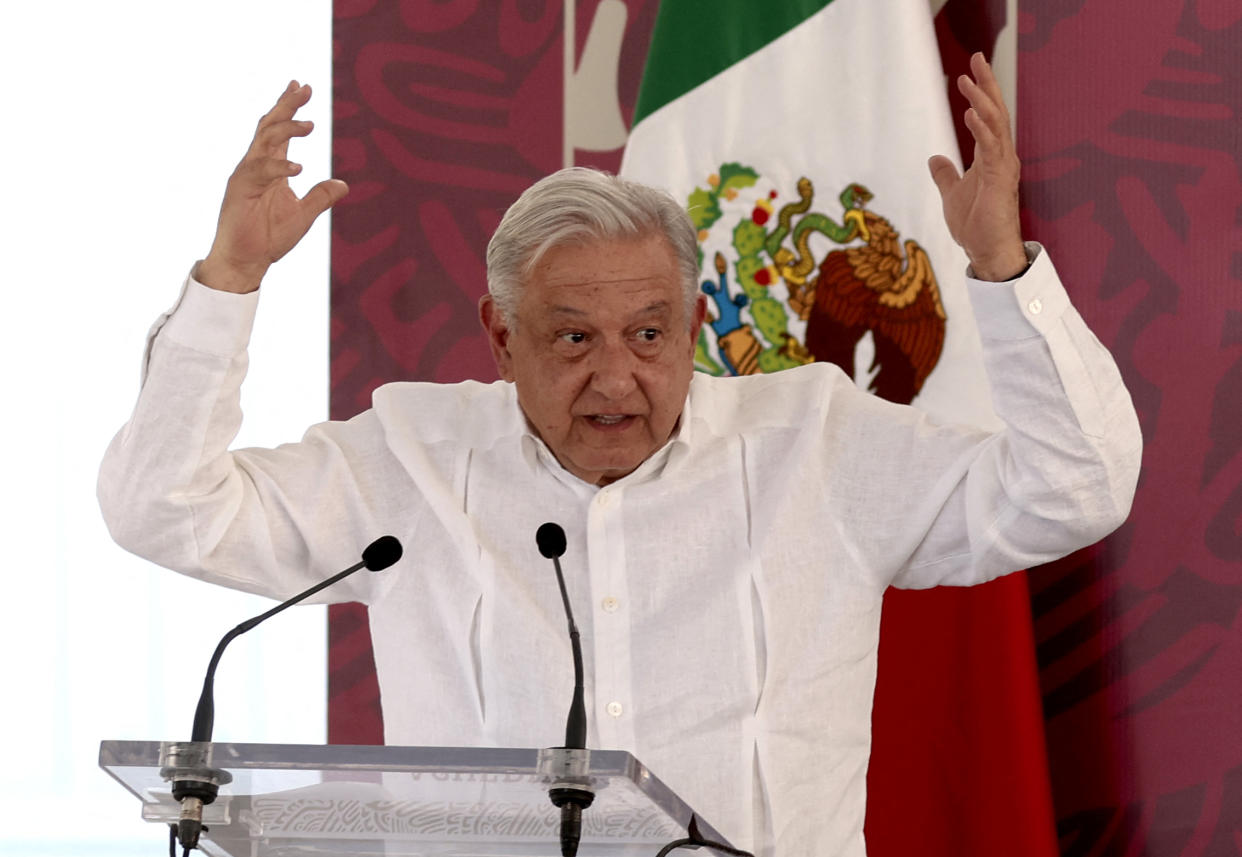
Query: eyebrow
<point x="649" y="309"/>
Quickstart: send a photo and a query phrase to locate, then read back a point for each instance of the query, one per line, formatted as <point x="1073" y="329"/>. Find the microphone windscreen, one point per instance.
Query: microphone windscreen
<point x="381" y="553"/>
<point x="551" y="540"/>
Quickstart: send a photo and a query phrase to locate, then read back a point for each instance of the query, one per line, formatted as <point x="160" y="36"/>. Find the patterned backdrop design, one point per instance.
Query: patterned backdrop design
<point x="1131" y="139"/>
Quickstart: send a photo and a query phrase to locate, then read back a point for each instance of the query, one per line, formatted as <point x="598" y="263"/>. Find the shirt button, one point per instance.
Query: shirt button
<point x="610" y="604"/>
<point x="614" y="708"/>
<point x="605" y="499"/>
<point x="1036" y="306"/>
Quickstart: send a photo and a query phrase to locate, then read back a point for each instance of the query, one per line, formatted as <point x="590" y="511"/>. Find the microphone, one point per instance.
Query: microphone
<point x="551" y="540"/>
<point x="569" y="798"/>
<point x="198" y="784"/>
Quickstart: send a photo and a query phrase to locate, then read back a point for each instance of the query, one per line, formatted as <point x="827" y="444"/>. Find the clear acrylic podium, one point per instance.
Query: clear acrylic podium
<point x="294" y="800"/>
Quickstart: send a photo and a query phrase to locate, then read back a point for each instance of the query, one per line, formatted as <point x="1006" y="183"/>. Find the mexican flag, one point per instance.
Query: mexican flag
<point x="797" y="133"/>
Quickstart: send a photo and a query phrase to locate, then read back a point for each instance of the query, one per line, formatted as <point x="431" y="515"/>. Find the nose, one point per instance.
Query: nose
<point x="613" y="369"/>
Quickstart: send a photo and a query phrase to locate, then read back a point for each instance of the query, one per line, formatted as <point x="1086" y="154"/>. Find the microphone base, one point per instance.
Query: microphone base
<point x="190" y="825"/>
<point x="571" y="802"/>
<point x="195" y="784"/>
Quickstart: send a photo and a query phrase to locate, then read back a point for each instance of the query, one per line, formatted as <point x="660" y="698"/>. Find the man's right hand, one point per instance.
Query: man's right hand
<point x="261" y="218"/>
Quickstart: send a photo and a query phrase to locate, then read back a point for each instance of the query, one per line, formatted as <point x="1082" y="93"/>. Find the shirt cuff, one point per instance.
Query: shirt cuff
<point x="211" y="321"/>
<point x="1029" y="305"/>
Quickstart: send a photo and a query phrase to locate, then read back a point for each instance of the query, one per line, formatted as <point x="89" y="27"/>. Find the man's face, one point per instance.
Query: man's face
<point x="602" y="353"/>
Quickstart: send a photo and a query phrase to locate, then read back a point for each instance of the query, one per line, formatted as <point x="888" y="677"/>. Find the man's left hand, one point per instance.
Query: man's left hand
<point x="981" y="206"/>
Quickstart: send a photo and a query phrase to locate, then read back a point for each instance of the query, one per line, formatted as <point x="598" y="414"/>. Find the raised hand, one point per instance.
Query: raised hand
<point x="981" y="206"/>
<point x="261" y="218"/>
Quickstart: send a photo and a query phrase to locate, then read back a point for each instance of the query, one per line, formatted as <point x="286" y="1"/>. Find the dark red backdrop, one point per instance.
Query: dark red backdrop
<point x="1129" y="133"/>
<point x="1131" y="139"/>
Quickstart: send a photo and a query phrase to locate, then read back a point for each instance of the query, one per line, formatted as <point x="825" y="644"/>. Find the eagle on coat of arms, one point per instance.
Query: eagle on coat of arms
<point x="872" y="283"/>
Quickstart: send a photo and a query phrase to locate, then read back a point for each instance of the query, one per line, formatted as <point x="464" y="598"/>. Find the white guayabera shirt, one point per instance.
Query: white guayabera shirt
<point x="728" y="590"/>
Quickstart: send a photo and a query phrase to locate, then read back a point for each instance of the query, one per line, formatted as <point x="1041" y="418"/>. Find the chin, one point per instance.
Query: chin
<point x="611" y="469"/>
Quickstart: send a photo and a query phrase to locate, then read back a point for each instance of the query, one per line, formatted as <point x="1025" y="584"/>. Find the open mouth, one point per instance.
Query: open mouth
<point x="605" y="420"/>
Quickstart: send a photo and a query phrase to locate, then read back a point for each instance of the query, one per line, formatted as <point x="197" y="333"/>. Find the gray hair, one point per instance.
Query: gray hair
<point x="579" y="205"/>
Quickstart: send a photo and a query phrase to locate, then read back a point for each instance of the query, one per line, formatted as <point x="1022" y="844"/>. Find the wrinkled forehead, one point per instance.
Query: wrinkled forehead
<point x="618" y="279"/>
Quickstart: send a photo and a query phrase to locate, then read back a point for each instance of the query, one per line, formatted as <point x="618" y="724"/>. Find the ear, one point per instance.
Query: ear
<point x="696" y="320"/>
<point x="497" y="329"/>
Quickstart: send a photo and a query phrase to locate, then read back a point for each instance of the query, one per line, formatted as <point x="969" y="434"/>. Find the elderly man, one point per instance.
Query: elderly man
<point x="732" y="538"/>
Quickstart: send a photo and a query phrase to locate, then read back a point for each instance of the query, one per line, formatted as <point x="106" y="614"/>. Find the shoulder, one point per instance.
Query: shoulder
<point x="788" y="399"/>
<point x="469" y="413"/>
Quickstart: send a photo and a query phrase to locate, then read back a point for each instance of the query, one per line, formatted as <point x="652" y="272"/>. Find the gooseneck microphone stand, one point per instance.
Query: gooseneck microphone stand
<point x="195" y="783"/>
<point x="569" y="797"/>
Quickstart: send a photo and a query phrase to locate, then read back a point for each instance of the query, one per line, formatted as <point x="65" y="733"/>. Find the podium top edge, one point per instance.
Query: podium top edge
<point x="380" y="757"/>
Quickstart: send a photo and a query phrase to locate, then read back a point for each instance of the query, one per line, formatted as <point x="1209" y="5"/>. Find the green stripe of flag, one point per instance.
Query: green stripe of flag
<point x="694" y="40"/>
